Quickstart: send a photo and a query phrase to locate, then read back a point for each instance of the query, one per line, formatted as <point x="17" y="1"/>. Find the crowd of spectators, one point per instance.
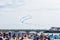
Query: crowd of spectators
<point x="27" y="36"/>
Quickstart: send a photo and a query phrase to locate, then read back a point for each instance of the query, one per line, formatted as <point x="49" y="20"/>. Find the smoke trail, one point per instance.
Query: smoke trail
<point x="25" y="18"/>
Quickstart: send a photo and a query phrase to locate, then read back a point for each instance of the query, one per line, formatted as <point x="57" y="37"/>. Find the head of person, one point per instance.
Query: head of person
<point x="42" y="35"/>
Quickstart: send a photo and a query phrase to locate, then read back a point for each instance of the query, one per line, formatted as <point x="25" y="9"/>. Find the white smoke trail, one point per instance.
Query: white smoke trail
<point x="25" y="18"/>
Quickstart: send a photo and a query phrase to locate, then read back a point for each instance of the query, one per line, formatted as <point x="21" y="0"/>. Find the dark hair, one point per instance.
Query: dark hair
<point x="4" y="35"/>
<point x="22" y="38"/>
<point x="13" y="36"/>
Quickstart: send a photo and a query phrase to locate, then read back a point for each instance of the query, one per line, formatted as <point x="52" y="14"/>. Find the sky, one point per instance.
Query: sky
<point x="35" y="14"/>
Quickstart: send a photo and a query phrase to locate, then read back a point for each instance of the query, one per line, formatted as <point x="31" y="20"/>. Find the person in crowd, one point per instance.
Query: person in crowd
<point x="4" y="36"/>
<point x="1" y="36"/>
<point x="46" y="37"/>
<point x="51" y="37"/>
<point x="7" y="38"/>
<point x="22" y="38"/>
<point x="36" y="37"/>
<point x="55" y="36"/>
<point x="13" y="37"/>
<point x="41" y="36"/>
<point x="9" y="35"/>
<point x="17" y="37"/>
<point x="32" y="36"/>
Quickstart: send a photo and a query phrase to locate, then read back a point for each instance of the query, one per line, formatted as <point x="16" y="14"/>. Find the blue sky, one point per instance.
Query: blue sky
<point x="44" y="14"/>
